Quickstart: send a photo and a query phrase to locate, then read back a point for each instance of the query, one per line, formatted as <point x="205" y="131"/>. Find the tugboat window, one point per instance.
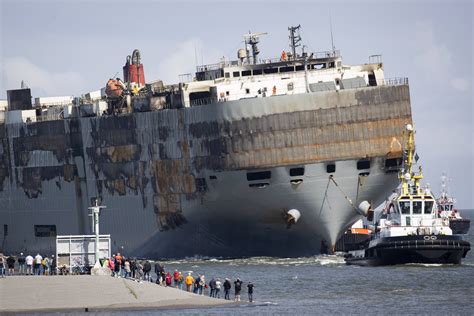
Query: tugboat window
<point x="428" y="207"/>
<point x="417" y="207"/>
<point x="405" y="207"/>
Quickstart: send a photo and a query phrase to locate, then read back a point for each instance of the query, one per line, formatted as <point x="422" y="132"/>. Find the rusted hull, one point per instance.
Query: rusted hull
<point x="174" y="176"/>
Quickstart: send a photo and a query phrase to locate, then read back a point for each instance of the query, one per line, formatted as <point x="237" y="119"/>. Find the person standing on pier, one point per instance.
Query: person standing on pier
<point x="227" y="287"/>
<point x="37" y="267"/>
<point x="238" y="288"/>
<point x="2" y="265"/>
<point x="146" y="270"/>
<point x="250" y="291"/>
<point x="189" y="282"/>
<point x="21" y="264"/>
<point x="218" y="288"/>
<point x="11" y="265"/>
<point x="29" y="264"/>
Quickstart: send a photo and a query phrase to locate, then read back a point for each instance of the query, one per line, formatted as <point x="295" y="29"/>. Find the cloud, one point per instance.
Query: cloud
<point x="435" y="59"/>
<point x="41" y="81"/>
<point x="182" y="58"/>
<point x="460" y="84"/>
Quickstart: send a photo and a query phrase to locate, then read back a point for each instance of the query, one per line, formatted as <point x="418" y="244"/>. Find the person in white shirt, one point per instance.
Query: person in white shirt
<point x="218" y="288"/>
<point x="38" y="260"/>
<point x="29" y="265"/>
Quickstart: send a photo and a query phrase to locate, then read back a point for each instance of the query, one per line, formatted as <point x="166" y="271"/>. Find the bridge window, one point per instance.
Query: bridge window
<point x="417" y="207"/>
<point x="236" y="74"/>
<point x="246" y="73"/>
<point x="270" y="70"/>
<point x="405" y="207"/>
<point x="287" y="69"/>
<point x="299" y="68"/>
<point x="227" y="75"/>
<point x="257" y="72"/>
<point x="428" y="207"/>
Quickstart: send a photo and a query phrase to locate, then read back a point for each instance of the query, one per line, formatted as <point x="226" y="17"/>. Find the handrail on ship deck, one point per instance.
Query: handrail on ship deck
<point x="235" y="63"/>
<point x="397" y="81"/>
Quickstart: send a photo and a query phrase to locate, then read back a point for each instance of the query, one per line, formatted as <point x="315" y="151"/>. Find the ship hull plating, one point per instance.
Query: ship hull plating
<point x="175" y="181"/>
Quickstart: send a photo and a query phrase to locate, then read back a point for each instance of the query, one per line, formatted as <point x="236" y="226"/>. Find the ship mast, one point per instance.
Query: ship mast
<point x="295" y="39"/>
<point x="407" y="175"/>
<point x="252" y="39"/>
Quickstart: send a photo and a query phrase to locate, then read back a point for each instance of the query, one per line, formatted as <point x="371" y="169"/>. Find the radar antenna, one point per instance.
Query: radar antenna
<point x="295" y="39"/>
<point x="252" y="39"/>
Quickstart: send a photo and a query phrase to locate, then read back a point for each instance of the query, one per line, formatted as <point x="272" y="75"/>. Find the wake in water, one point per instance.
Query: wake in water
<point x="321" y="260"/>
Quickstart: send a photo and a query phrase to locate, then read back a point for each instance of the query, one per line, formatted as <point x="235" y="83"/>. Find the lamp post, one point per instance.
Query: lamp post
<point x="95" y="210"/>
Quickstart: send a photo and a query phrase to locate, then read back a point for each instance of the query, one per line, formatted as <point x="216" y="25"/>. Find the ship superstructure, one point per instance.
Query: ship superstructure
<point x="209" y="166"/>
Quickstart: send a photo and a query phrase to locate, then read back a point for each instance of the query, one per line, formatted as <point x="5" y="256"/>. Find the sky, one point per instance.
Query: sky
<point x="71" y="48"/>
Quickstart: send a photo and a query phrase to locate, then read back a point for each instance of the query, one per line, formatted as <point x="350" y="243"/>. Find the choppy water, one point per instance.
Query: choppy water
<point x="325" y="285"/>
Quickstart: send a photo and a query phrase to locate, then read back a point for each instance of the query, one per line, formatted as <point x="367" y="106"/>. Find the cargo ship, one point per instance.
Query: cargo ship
<point x="211" y="166"/>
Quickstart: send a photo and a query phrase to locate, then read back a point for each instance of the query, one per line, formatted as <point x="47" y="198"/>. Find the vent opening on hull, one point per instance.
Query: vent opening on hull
<point x="364" y="174"/>
<point x="331" y="168"/>
<point x="212" y="177"/>
<point x="259" y="185"/>
<point x="363" y="164"/>
<point x="261" y="175"/>
<point x="5" y="230"/>
<point x="294" y="172"/>
<point x="45" y="230"/>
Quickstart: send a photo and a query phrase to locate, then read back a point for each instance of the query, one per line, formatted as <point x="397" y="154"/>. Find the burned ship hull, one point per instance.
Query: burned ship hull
<point x="210" y="180"/>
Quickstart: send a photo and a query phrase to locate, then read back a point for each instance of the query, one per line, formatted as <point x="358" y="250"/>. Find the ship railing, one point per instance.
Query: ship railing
<point x="203" y="101"/>
<point x="50" y="117"/>
<point x="233" y="63"/>
<point x="399" y="81"/>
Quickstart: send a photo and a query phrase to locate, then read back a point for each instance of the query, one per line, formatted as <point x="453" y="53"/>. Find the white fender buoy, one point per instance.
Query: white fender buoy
<point x="294" y="215"/>
<point x="364" y="208"/>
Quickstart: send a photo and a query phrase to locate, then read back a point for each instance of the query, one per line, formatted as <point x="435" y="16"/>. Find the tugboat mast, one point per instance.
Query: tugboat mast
<point x="407" y="175"/>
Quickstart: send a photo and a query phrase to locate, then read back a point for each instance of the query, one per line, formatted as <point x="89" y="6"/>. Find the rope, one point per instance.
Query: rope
<point x="325" y="195"/>
<point x="345" y="196"/>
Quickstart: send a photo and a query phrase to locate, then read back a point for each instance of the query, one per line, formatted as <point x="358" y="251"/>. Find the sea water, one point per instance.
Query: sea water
<point x="326" y="285"/>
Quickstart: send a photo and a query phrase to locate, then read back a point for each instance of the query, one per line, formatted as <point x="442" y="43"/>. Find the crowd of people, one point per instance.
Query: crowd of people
<point x="27" y="265"/>
<point x="140" y="270"/>
<point x="130" y="268"/>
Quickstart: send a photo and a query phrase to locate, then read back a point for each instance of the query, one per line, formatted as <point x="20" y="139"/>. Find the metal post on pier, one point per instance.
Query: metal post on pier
<point x="95" y="212"/>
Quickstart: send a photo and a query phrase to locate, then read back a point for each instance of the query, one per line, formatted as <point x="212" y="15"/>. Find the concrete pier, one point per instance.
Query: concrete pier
<point x="92" y="293"/>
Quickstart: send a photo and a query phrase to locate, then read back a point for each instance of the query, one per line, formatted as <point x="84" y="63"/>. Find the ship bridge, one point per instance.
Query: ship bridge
<point x="239" y="68"/>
